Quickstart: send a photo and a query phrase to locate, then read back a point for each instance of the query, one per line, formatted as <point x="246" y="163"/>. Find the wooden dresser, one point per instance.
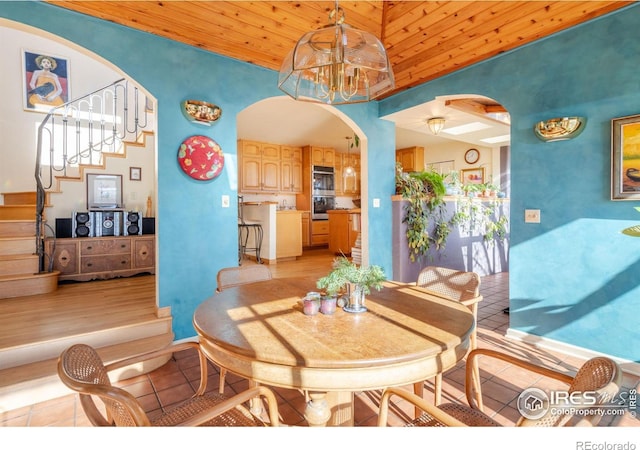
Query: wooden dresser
<point x="84" y="259"/>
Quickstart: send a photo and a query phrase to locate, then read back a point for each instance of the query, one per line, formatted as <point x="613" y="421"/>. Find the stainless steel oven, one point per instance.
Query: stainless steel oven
<point x="321" y="204"/>
<point x="323" y="192"/>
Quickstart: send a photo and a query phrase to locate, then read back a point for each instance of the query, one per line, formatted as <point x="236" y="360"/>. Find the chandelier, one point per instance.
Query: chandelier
<point x="336" y="64"/>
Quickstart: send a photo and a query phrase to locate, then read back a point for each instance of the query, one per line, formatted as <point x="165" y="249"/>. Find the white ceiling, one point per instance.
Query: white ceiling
<point x="286" y="121"/>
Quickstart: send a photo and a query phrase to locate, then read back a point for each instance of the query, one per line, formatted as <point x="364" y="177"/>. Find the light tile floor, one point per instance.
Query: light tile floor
<point x="501" y="383"/>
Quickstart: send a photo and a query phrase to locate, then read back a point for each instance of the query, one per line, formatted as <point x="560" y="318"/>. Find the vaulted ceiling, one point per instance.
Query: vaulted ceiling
<point x="424" y="39"/>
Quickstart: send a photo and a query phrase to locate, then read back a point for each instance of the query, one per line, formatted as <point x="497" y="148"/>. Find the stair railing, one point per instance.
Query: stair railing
<point x="81" y="132"/>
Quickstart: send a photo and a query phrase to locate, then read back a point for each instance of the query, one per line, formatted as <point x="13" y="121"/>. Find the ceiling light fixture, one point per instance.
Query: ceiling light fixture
<point x="336" y="64"/>
<point x="436" y="124"/>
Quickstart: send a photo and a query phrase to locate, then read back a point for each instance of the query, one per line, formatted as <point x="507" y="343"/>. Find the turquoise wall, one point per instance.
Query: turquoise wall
<point x="196" y="235"/>
<point x="574" y="277"/>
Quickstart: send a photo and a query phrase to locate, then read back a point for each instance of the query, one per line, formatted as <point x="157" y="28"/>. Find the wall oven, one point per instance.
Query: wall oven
<point x="323" y="192"/>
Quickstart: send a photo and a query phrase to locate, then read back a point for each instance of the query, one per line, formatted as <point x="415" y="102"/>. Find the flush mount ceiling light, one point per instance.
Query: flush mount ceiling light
<point x="436" y="124"/>
<point x="336" y="64"/>
<point x="559" y="129"/>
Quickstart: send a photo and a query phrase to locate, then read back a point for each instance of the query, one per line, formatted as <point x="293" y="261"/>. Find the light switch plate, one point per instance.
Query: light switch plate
<point x="532" y="216"/>
<point x="376" y="203"/>
<point x="225" y="201"/>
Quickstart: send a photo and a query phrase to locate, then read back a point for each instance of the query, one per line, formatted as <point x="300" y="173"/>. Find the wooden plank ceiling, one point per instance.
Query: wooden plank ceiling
<point x="424" y="39"/>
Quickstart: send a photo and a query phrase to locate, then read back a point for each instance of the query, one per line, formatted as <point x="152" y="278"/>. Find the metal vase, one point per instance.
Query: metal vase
<point x="355" y="299"/>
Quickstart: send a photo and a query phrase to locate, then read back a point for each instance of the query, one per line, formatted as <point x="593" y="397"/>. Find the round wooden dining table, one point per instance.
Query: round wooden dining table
<point x="259" y="331"/>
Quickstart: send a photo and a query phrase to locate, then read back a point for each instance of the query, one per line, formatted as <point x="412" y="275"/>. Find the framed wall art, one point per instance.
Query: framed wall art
<point x="46" y="81"/>
<point x="135" y="173"/>
<point x="104" y="191"/>
<point x="625" y="158"/>
<point x="472" y="176"/>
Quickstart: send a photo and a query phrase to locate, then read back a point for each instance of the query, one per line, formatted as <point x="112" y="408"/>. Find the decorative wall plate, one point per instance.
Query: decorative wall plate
<point x="197" y="111"/>
<point x="201" y="158"/>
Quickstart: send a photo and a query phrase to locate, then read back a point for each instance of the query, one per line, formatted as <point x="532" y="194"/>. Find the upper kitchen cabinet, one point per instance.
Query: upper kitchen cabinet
<point x="323" y="156"/>
<point x="259" y="166"/>
<point x="290" y="169"/>
<point x="412" y="159"/>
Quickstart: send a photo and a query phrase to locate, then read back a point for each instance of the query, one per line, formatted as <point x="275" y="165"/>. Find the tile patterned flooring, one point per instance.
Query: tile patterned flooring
<point x="501" y="383"/>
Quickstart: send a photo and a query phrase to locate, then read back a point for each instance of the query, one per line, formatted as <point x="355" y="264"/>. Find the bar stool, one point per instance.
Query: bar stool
<point x="245" y="230"/>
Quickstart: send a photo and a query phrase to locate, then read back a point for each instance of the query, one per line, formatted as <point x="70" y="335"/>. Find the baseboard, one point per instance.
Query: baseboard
<point x="631" y="369"/>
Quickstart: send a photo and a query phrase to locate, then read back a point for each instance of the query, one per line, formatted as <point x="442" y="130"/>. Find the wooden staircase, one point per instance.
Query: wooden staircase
<point x="19" y="263"/>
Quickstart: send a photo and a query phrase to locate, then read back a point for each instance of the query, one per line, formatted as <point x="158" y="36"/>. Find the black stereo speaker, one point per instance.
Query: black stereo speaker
<point x="63" y="227"/>
<point x="108" y="223"/>
<point x="132" y="223"/>
<point x="82" y="224"/>
<point x="148" y="225"/>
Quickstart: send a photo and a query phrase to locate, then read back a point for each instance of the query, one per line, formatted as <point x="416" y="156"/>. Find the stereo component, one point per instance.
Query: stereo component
<point x="132" y="223"/>
<point x="82" y="224"/>
<point x="108" y="223"/>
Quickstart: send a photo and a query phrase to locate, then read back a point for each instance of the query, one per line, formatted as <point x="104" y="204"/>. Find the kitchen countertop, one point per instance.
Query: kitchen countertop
<point x="344" y="211"/>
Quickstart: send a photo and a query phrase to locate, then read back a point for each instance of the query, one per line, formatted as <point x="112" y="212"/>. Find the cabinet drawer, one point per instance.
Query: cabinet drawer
<point x="65" y="259"/>
<point x="320" y="227"/>
<point x="319" y="239"/>
<point x="104" y="246"/>
<point x="105" y="263"/>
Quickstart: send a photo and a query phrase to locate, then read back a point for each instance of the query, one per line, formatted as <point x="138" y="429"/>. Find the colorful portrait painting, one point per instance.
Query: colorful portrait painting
<point x="46" y="81"/>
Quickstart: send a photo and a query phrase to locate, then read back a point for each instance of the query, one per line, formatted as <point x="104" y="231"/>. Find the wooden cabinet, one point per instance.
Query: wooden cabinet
<point x="259" y="166"/>
<point x="306" y="229"/>
<point x="319" y="232"/>
<point x="84" y="259"/>
<point x="323" y="156"/>
<point x="412" y="159"/>
<point x="343" y="231"/>
<point x="288" y="234"/>
<point x="290" y="169"/>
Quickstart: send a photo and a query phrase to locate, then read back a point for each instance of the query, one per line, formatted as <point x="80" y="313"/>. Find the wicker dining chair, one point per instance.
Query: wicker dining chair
<point x="459" y="286"/>
<point x="81" y="369"/>
<point x="599" y="375"/>
<point x="236" y="276"/>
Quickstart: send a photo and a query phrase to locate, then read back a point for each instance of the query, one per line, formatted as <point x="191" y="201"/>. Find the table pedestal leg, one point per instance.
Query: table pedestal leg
<point x="317" y="411"/>
<point x="330" y="408"/>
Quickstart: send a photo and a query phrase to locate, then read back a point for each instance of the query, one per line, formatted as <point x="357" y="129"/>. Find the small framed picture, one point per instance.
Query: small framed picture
<point x="625" y="158"/>
<point x="135" y="173"/>
<point x="104" y="191"/>
<point x="472" y="176"/>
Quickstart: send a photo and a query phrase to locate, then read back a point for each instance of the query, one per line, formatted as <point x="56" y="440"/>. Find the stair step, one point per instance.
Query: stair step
<point x="29" y="284"/>
<point x="17" y="212"/>
<point x="17" y="228"/>
<point x="25" y="264"/>
<point x="17" y="245"/>
<point x="20" y="198"/>
<point x="37" y="382"/>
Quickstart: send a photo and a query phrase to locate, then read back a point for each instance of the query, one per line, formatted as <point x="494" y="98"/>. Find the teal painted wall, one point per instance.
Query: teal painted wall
<point x="574" y="277"/>
<point x="196" y="235"/>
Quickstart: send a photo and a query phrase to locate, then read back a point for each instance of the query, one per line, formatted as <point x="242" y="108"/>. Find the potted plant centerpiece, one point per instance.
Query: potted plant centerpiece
<point x="356" y="281"/>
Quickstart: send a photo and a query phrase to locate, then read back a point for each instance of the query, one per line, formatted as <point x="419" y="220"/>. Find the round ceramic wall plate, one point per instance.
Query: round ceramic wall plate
<point x="201" y="158"/>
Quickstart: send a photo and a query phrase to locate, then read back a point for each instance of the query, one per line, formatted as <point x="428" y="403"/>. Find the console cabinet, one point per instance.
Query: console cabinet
<point x="84" y="259"/>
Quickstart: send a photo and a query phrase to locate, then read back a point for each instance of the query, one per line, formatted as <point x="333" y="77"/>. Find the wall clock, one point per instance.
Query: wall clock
<point x="472" y="156"/>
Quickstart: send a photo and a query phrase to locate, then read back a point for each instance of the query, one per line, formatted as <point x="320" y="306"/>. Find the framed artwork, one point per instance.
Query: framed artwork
<point x="46" y="81"/>
<point x="135" y="173"/>
<point x="625" y="158"/>
<point x="472" y="176"/>
<point x="104" y="191"/>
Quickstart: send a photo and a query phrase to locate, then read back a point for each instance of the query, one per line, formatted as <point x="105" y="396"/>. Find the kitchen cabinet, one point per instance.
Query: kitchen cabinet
<point x="306" y="229"/>
<point x="290" y="169"/>
<point x="259" y="167"/>
<point x="344" y="226"/>
<point x="322" y="156"/>
<point x="411" y="158"/>
<point x="84" y="259"/>
<point x="319" y="232"/>
<point x="288" y="234"/>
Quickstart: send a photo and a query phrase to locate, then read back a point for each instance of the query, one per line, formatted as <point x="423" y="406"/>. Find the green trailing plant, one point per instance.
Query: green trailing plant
<point x="481" y="217"/>
<point x="425" y="210"/>
<point x="345" y="271"/>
